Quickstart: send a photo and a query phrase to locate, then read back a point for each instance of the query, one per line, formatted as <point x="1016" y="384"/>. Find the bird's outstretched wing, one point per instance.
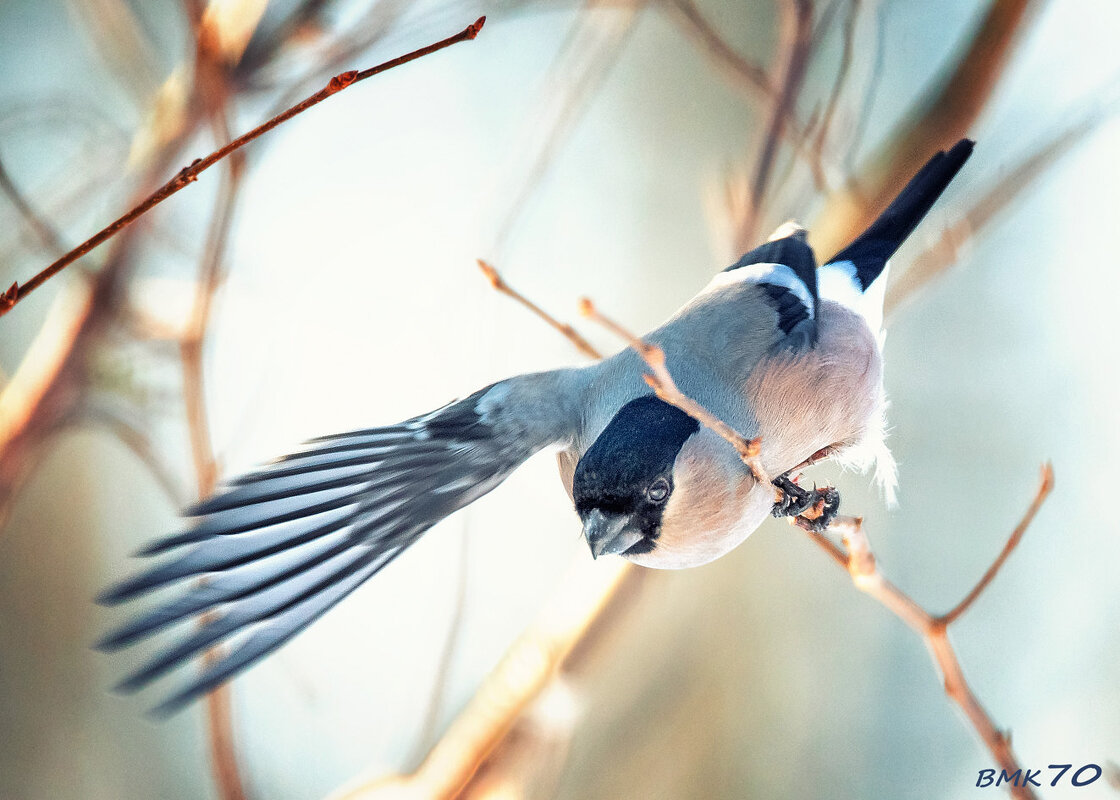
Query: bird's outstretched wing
<point x="280" y="546"/>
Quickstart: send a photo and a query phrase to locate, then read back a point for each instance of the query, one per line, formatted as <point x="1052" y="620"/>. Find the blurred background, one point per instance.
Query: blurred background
<point x="325" y="280"/>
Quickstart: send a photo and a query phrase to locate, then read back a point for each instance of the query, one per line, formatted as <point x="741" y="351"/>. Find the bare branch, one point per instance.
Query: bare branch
<point x="524" y="671"/>
<point x="857" y="557"/>
<point x="189" y="174"/>
<point x="820" y="138"/>
<point x="938" y="120"/>
<point x="861" y="565"/>
<point x="945" y="251"/>
<point x="742" y="71"/>
<point x="212" y="85"/>
<point x="1045" y="486"/>
<point x="859" y="560"/>
<point x="662" y="384"/>
<point x="796" y="39"/>
<point x="566" y="330"/>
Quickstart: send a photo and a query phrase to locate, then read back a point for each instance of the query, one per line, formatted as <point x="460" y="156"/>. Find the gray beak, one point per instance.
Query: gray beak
<point x="609" y="534"/>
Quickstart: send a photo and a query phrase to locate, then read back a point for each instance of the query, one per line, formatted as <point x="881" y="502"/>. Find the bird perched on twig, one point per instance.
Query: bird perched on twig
<point x="773" y="346"/>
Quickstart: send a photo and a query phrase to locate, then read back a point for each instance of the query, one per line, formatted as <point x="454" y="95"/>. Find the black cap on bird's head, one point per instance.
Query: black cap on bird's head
<point x="623" y="481"/>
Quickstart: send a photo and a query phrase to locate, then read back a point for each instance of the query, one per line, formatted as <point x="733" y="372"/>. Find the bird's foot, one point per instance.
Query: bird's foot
<point x="790" y="499"/>
<point x="812" y="510"/>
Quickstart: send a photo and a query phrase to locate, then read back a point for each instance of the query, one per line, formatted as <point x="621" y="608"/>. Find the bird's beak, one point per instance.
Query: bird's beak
<point x="607" y="534"/>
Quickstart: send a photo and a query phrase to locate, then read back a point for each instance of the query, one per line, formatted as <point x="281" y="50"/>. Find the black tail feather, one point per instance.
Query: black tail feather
<point x="871" y="250"/>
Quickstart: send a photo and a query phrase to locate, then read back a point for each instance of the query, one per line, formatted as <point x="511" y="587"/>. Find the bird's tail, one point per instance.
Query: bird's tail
<point x="871" y="250"/>
<point x="278" y="547"/>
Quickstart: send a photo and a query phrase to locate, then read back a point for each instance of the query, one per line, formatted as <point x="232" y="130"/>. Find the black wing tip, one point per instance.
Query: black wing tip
<point x="117" y="593"/>
<point x="111" y="642"/>
<point x="166" y="543"/>
<point x="168" y="708"/>
<point x="140" y="584"/>
<point x="131" y="632"/>
<point x="128" y="686"/>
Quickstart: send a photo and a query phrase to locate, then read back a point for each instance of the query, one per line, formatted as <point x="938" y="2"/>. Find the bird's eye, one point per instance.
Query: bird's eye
<point x="658" y="490"/>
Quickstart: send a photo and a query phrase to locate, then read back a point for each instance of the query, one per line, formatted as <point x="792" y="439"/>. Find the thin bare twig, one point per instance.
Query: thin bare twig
<point x="939" y="119"/>
<point x="223" y="756"/>
<point x="566" y="330"/>
<point x="793" y="58"/>
<point x="741" y="70"/>
<point x="945" y="251"/>
<point x="820" y="138"/>
<point x="213" y="89"/>
<point x="525" y="670"/>
<point x="859" y="560"/>
<point x="189" y="174"/>
<point x="1045" y="486"/>
<point x="664" y="387"/>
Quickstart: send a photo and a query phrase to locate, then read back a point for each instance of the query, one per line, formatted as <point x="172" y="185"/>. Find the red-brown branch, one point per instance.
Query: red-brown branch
<point x="190" y="173"/>
<point x="565" y="330"/>
<point x="213" y="89"/>
<point x="742" y="70"/>
<point x="1045" y="486"/>
<point x="219" y="712"/>
<point x="793" y="61"/>
<point x="859" y="561"/>
<point x="664" y="387"/>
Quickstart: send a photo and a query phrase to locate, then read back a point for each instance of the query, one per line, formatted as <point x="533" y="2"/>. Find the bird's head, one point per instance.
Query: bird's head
<point x="661" y="491"/>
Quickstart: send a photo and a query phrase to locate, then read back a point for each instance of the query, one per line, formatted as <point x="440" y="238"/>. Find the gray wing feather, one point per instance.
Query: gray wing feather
<point x="280" y="546"/>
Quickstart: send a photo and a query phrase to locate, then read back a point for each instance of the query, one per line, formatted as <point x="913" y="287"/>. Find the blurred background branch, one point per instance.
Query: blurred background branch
<point x="806" y="109"/>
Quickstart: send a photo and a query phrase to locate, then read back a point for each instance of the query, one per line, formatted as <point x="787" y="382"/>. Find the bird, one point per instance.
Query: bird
<point x="774" y="346"/>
